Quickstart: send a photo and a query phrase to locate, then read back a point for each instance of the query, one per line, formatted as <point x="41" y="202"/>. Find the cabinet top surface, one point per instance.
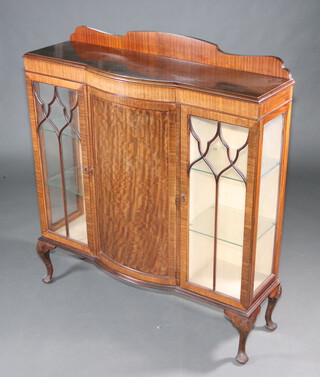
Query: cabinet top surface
<point x="152" y="67"/>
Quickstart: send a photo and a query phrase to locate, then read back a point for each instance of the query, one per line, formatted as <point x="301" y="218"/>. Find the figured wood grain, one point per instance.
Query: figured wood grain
<point x="155" y="68"/>
<point x="244" y="109"/>
<point x="184" y="48"/>
<point x="137" y="67"/>
<point x="55" y="69"/>
<point x="76" y="154"/>
<point x="274" y="102"/>
<point x="132" y="162"/>
<point x="87" y="160"/>
<point x="130" y="89"/>
<point x="41" y="140"/>
<point x="251" y="214"/>
<point x="40" y="173"/>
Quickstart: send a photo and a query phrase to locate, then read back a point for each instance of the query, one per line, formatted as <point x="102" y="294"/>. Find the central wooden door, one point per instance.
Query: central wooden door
<point x="135" y="178"/>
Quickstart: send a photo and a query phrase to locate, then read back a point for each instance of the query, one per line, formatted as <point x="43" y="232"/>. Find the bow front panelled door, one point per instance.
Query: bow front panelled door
<point x="135" y="174"/>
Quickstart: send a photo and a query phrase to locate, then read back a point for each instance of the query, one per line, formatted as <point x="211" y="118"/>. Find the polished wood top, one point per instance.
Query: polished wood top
<point x="183" y="48"/>
<point x="152" y="68"/>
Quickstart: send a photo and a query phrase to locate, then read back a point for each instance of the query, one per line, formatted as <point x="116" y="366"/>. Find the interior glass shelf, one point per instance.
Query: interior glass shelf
<point x="268" y="165"/>
<point x="71" y="177"/>
<point x="204" y="224"/>
<point x="66" y="132"/>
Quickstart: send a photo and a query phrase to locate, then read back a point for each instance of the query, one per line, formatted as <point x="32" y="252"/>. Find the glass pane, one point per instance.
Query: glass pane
<point x="230" y="229"/>
<point x="77" y="222"/>
<point x="201" y="219"/>
<point x="49" y="146"/>
<point x="264" y="259"/>
<point x="228" y="269"/>
<point x="231" y="212"/>
<point x="44" y="95"/>
<point x="78" y="226"/>
<point x="74" y="184"/>
<point x="72" y="162"/>
<point x="235" y="136"/>
<point x="59" y="133"/>
<point x="268" y="199"/>
<point x="201" y="260"/>
<point x="231" y="206"/>
<point x="55" y="213"/>
<point x="218" y="165"/>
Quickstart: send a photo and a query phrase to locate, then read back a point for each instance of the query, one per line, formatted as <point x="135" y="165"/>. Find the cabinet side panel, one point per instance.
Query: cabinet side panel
<point x="282" y="187"/>
<point x="37" y="157"/>
<point x="132" y="162"/>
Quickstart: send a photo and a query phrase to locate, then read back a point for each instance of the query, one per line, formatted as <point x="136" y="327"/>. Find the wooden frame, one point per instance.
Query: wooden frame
<point x="249" y="234"/>
<point x="156" y="81"/>
<point x="286" y="111"/>
<point x="40" y="163"/>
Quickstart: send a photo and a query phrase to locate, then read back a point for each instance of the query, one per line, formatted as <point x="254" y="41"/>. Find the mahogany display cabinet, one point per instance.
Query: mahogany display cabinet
<point x="163" y="159"/>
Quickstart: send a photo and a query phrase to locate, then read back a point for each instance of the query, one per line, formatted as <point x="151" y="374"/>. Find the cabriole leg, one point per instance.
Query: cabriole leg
<point x="272" y="301"/>
<point x="244" y="325"/>
<point x="43" y="249"/>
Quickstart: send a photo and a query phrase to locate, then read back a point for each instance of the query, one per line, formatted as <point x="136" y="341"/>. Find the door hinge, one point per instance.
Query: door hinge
<point x="88" y="170"/>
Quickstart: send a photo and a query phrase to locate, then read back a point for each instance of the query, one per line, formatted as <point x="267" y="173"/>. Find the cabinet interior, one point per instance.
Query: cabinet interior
<point x="220" y="165"/>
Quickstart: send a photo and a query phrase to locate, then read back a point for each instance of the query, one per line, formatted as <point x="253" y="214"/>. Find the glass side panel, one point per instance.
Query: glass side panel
<point x="268" y="199"/>
<point x="230" y="229"/>
<point x="217" y="180"/>
<point x="60" y="142"/>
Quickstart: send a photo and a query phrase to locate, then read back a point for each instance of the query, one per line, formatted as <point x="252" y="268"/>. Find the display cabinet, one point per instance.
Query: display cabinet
<point x="164" y="160"/>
